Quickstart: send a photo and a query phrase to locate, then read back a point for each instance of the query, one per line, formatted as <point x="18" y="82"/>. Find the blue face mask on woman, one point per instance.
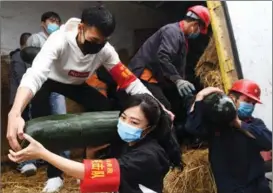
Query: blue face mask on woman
<point x="245" y="110"/>
<point x="128" y="133"/>
<point x="52" y="27"/>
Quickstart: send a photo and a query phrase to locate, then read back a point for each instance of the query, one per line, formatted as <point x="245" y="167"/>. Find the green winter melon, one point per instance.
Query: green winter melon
<point x="74" y="130"/>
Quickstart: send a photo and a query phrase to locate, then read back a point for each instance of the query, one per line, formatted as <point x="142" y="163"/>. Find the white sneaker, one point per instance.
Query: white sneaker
<point x="28" y="169"/>
<point x="53" y="185"/>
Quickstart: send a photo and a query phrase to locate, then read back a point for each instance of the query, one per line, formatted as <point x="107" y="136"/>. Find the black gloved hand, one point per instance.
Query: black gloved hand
<point x="184" y="87"/>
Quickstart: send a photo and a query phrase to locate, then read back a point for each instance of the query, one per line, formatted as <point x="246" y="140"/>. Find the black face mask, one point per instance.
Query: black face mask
<point x="91" y="47"/>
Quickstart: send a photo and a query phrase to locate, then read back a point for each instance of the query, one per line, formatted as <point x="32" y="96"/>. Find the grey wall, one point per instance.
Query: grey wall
<point x="18" y="17"/>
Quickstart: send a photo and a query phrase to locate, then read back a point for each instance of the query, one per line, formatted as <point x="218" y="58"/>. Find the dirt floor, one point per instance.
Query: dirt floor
<point x="14" y="182"/>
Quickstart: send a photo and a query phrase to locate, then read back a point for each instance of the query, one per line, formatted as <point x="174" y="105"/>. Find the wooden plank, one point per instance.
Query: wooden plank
<point x="223" y="43"/>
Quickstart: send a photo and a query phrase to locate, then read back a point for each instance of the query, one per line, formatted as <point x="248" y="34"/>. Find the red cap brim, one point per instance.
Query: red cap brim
<point x="254" y="98"/>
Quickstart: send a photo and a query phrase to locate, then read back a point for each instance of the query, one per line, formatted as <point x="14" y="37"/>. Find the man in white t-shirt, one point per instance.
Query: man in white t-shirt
<point x="68" y="57"/>
<point x="50" y="22"/>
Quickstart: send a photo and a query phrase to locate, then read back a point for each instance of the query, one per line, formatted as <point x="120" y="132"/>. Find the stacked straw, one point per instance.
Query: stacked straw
<point x="196" y="176"/>
<point x="207" y="68"/>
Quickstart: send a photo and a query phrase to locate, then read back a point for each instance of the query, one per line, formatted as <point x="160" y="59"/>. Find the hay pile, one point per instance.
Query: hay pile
<point x="207" y="68"/>
<point x="196" y="176"/>
<point x="13" y="182"/>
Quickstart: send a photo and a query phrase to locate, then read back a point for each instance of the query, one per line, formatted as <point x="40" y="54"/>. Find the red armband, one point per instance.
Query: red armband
<point x="122" y="75"/>
<point x="267" y="155"/>
<point x="100" y="176"/>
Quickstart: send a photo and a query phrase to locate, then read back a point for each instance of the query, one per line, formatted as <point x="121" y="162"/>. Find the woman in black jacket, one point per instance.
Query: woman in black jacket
<point x="150" y="149"/>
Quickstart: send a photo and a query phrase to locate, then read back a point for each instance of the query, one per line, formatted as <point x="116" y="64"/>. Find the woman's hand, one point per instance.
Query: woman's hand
<point x="203" y="93"/>
<point x="206" y="91"/>
<point x="33" y="151"/>
<point x="172" y="116"/>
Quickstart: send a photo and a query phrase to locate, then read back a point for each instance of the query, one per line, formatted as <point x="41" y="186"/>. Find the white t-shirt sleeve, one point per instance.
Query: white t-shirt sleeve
<point x="38" y="73"/>
<point x="110" y="57"/>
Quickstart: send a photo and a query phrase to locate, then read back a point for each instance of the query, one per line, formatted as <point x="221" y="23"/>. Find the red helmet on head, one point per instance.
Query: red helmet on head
<point x="203" y="14"/>
<point x="248" y="88"/>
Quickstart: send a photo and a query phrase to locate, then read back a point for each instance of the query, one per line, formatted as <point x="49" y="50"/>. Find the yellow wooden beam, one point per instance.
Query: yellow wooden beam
<point x="222" y="42"/>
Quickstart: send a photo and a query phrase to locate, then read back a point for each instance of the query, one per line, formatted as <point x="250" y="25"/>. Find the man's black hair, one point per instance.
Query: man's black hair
<point x="24" y="37"/>
<point x="101" y="18"/>
<point x="235" y="94"/>
<point x="50" y="14"/>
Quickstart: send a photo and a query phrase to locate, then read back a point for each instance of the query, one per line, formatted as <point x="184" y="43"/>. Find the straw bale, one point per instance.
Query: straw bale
<point x="207" y="68"/>
<point x="196" y="176"/>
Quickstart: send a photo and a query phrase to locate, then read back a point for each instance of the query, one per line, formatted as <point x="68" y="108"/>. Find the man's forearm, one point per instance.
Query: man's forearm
<point x="137" y="87"/>
<point x="22" y="98"/>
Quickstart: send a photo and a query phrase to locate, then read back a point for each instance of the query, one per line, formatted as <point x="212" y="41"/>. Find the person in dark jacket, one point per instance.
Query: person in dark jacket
<point x="16" y="70"/>
<point x="149" y="149"/>
<point x="160" y="62"/>
<point x="234" y="150"/>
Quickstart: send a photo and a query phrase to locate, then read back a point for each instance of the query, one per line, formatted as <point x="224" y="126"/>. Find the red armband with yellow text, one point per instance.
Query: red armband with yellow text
<point x="122" y="75"/>
<point x="100" y="176"/>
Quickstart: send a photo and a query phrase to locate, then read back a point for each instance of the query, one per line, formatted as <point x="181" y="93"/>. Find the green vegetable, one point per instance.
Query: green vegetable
<point x="73" y="130"/>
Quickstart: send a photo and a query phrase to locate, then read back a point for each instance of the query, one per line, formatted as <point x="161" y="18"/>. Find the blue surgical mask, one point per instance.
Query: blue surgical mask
<point x="52" y="27"/>
<point x="245" y="110"/>
<point x="128" y="133"/>
<point x="194" y="35"/>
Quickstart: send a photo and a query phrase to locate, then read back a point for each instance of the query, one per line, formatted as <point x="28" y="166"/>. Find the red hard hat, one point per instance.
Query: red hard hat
<point x="248" y="88"/>
<point x="203" y="14"/>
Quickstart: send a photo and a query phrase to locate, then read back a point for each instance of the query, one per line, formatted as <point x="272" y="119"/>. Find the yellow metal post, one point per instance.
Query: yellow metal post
<point x="222" y="42"/>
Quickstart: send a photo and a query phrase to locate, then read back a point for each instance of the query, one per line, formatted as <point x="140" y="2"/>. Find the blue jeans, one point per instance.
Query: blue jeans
<point x="57" y="104"/>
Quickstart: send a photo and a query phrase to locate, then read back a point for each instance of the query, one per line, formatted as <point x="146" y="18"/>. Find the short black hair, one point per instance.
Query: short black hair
<point x="235" y="94"/>
<point x="50" y="14"/>
<point x="24" y="37"/>
<point x="101" y="18"/>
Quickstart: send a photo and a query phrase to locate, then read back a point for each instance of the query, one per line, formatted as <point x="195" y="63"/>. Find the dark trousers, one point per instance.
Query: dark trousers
<point x="88" y="97"/>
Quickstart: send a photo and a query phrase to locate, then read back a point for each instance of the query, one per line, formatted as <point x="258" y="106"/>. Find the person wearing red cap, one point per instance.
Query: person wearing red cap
<point x="160" y="62"/>
<point x="234" y="149"/>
